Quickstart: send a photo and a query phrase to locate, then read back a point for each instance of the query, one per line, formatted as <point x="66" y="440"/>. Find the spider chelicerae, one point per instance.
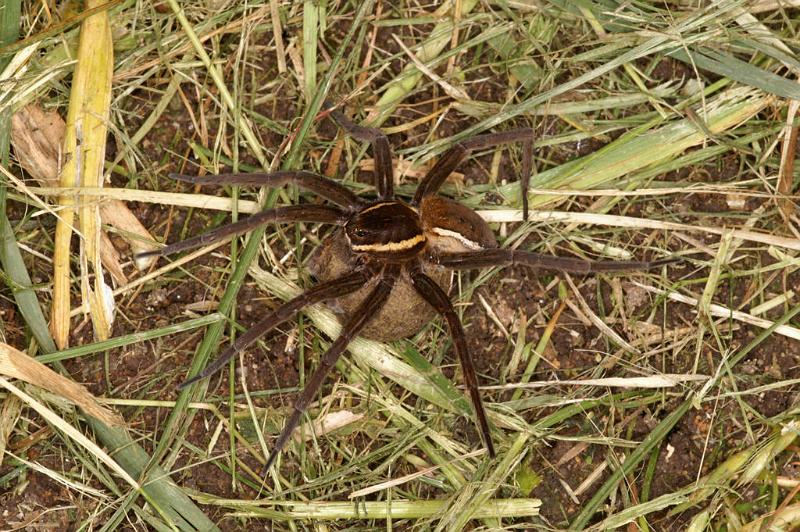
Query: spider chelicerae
<point x="387" y="268"/>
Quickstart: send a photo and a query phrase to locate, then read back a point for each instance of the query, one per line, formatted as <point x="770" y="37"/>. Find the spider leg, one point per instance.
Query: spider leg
<point x="485" y="258"/>
<point x="448" y="162"/>
<point x="384" y="172"/>
<point x="437" y="298"/>
<point x="294" y="213"/>
<point x="321" y="292"/>
<point x="366" y="311"/>
<point x="318" y="184"/>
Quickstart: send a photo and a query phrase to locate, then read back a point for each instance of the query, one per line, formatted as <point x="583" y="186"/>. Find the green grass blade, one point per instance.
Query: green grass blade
<point x="128" y="339"/>
<point x="10" y="255"/>
<point x="741" y="71"/>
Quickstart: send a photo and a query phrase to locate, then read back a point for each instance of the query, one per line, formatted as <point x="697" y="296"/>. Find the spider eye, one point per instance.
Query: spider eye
<point x="360" y="233"/>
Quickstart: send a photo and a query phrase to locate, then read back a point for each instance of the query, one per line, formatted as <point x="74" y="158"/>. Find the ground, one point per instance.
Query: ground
<point x="522" y="325"/>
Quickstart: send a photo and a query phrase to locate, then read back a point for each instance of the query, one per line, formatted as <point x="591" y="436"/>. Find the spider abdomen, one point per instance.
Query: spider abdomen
<point x="451" y="227"/>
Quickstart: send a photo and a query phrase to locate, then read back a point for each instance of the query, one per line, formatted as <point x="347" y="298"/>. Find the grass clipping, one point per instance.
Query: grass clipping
<point x="84" y="155"/>
<point x="18" y="365"/>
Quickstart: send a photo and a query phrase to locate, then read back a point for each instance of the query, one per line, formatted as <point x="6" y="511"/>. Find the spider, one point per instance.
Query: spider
<point x="387" y="266"/>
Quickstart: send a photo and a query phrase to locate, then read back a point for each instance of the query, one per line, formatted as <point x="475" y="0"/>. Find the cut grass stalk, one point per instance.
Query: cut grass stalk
<point x="84" y="148"/>
<point x="394" y="509"/>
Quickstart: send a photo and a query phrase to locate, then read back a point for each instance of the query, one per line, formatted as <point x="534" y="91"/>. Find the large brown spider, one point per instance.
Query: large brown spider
<point x="387" y="269"/>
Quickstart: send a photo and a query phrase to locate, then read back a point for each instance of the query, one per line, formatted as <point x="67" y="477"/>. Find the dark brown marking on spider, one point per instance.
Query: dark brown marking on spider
<point x="387" y="269"/>
<point x="388" y="229"/>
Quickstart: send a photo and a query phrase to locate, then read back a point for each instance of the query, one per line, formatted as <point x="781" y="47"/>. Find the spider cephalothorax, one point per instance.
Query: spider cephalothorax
<point x="389" y="230"/>
<point x="386" y="270"/>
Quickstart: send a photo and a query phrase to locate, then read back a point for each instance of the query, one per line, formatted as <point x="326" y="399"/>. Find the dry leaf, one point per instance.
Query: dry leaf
<point x="37" y="137"/>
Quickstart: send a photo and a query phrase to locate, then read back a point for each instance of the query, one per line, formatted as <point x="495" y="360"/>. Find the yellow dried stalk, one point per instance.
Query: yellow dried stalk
<point x="84" y="154"/>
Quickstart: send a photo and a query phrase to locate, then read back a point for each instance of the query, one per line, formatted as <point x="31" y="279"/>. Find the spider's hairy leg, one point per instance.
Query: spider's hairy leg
<point x="487" y="258"/>
<point x="437" y="298"/>
<point x="315" y="183"/>
<point x="330" y="290"/>
<point x="293" y="213"/>
<point x="382" y="151"/>
<point x="448" y="162"/>
<point x="366" y="311"/>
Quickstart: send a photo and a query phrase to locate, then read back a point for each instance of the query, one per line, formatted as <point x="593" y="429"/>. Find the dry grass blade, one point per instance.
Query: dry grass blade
<point x="71" y="431"/>
<point x="392" y="509"/>
<point x="18" y="365"/>
<point x="788" y="154"/>
<point x="406" y="478"/>
<point x="9" y="414"/>
<point x="84" y="155"/>
<point x="724" y="312"/>
<point x="506" y="215"/>
<point x="665" y="380"/>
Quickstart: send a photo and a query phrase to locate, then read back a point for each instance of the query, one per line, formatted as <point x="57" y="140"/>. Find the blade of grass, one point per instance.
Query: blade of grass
<point x="738" y="70"/>
<point x="310" y="35"/>
<point x="91" y="97"/>
<point x="128" y="339"/>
